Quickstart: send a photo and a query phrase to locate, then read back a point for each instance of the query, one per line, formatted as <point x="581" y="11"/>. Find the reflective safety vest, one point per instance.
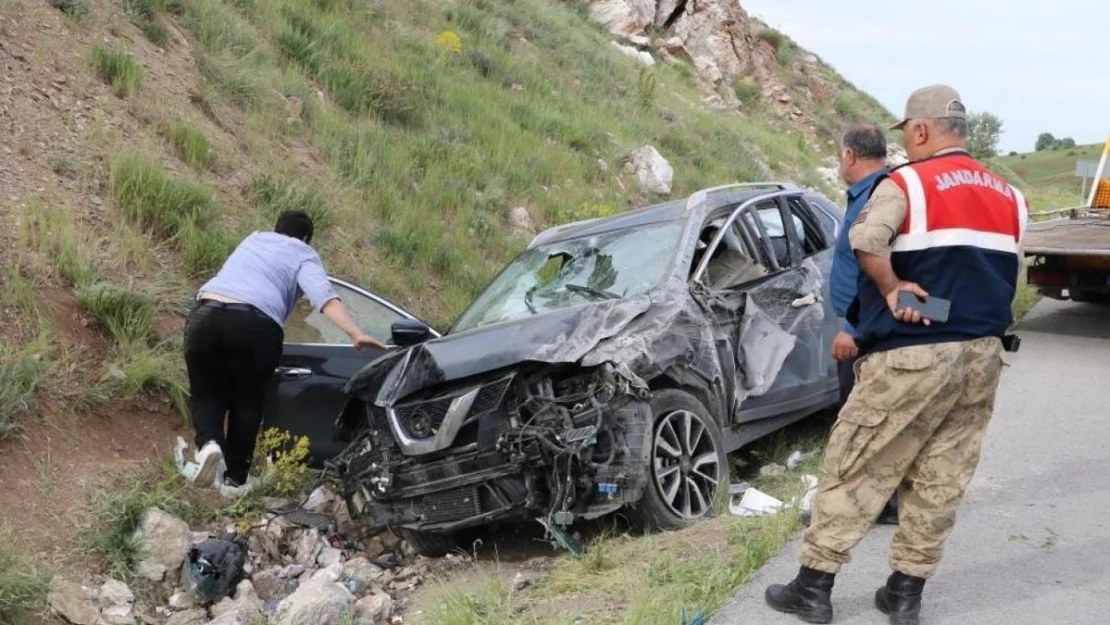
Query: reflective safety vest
<point x="960" y="241"/>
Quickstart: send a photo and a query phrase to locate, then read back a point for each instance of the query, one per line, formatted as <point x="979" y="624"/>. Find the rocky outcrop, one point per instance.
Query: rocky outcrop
<point x="652" y="171"/>
<point x="164" y="541"/>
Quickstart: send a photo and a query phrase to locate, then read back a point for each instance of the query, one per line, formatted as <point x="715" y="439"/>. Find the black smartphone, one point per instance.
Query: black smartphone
<point x="931" y="308"/>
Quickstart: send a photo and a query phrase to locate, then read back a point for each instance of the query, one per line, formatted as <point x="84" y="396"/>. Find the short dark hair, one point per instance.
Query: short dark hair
<point x="296" y="224"/>
<point x="955" y="126"/>
<point x="866" y="140"/>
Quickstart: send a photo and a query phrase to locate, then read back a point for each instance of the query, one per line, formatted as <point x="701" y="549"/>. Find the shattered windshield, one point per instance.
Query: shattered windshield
<point x="610" y="265"/>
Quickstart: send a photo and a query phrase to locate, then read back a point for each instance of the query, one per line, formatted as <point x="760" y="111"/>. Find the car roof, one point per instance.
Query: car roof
<point x="697" y="205"/>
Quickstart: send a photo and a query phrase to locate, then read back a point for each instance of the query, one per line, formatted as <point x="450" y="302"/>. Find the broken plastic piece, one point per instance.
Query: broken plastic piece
<point x="755" y="503"/>
<point x="798" y="457"/>
<point x="608" y="488"/>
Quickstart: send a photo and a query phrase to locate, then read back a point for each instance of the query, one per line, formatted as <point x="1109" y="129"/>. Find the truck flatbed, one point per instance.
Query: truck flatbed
<point x="1080" y="237"/>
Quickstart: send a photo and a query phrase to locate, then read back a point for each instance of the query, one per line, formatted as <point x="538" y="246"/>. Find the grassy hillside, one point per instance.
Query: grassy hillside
<point x="1049" y="175"/>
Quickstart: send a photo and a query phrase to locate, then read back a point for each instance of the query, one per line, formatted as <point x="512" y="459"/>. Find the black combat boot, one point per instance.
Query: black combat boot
<point x="901" y="598"/>
<point x="889" y="515"/>
<point x="807" y="596"/>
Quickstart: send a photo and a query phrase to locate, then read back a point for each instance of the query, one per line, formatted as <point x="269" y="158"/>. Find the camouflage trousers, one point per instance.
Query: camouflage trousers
<point x="914" y="422"/>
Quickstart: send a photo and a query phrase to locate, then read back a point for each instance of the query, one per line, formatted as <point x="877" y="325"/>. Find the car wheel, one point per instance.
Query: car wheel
<point x="428" y="544"/>
<point x="687" y="466"/>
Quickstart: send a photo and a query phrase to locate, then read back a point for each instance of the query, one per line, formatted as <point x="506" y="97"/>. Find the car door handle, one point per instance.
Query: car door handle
<point x="293" y="373"/>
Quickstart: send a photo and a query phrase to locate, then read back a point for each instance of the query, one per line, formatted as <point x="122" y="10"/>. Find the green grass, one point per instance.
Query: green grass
<point x="76" y="9"/>
<point x="275" y="193"/>
<point x="128" y="316"/>
<point x="20" y="376"/>
<point x="147" y="196"/>
<point x="118" y="69"/>
<point x="53" y="232"/>
<point x="190" y="144"/>
<point x="24" y="583"/>
<point x="116" y="512"/>
<point x="1052" y="167"/>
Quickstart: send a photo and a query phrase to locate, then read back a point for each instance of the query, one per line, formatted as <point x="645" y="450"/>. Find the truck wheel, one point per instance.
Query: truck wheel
<point x="687" y="466"/>
<point x="428" y="544"/>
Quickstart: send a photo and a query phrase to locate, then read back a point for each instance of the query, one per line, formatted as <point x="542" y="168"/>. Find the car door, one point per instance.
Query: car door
<point x="306" y="395"/>
<point x="768" y="284"/>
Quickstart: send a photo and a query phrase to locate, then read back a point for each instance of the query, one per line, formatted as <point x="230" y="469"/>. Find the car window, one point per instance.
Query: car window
<point x="306" y="325"/>
<point x="828" y="214"/>
<point x="734" y="262"/>
<point x="615" y="264"/>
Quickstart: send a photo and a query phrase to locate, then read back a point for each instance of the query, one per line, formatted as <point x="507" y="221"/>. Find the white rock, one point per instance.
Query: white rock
<point x="183" y="600"/>
<point x="520" y="221"/>
<point x="523" y="580"/>
<point x="199" y="537"/>
<point x="163" y="539"/>
<point x="831" y="175"/>
<point x="329" y="556"/>
<point x="772" y="469"/>
<point x="624" y="17"/>
<point x="636" y="53"/>
<point x="117" y="615"/>
<point x="320" y="499"/>
<point x="115" y="592"/>
<point x="149" y="569"/>
<point x="75" y="603"/>
<point x="652" y="170"/>
<point x="307" y="547"/>
<point x="291" y="571"/>
<point x="194" y="616"/>
<point x="374" y="609"/>
<point x="317" y="602"/>
<point x="332" y="573"/>
<point x="896" y="155"/>
<point x="242" y="609"/>
<point x="361" y="575"/>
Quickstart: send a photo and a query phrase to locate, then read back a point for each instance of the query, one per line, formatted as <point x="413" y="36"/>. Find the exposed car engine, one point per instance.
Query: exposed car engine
<point x="554" y="443"/>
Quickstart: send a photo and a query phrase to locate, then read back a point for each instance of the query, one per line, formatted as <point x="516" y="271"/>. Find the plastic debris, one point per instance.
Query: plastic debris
<point x="772" y="469"/>
<point x="799" y="457"/>
<point x="213" y="568"/>
<point x="755" y="503"/>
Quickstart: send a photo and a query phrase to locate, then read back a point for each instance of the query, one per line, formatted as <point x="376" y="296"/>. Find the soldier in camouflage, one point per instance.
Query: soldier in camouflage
<point x="915" y="421"/>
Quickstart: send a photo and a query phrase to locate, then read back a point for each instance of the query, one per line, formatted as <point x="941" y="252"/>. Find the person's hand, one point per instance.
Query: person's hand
<point x="363" y="343"/>
<point x="908" y="314"/>
<point x="844" y="346"/>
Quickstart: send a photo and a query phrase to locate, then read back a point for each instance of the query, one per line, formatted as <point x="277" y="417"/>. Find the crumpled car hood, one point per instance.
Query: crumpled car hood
<point x="562" y="336"/>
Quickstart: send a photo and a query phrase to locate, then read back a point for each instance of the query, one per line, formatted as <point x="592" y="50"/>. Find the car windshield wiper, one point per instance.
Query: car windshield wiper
<point x="578" y="288"/>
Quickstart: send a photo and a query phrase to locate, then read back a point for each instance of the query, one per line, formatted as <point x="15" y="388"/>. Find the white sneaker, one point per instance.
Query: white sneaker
<point x="208" y="461"/>
<point x="230" y="490"/>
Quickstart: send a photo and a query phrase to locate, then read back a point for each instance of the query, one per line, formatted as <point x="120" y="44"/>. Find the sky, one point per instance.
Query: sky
<point x="1040" y="66"/>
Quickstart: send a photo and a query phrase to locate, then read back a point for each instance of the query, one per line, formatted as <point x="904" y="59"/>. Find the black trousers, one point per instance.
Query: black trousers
<point x="846" y="371"/>
<point x="230" y="353"/>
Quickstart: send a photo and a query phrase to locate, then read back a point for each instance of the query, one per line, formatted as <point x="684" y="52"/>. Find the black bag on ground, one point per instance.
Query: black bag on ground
<point x="214" y="568"/>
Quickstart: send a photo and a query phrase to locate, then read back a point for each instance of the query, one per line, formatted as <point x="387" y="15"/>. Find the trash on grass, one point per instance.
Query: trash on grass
<point x="754" y="502"/>
<point x="799" y="457"/>
<point x="213" y="568"/>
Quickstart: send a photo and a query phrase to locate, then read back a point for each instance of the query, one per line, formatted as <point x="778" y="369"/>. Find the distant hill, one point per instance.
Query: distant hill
<point x="1050" y="174"/>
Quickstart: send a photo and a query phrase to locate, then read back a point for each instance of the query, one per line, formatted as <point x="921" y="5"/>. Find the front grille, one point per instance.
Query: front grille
<point x="452" y="505"/>
<point x="422" y="419"/>
<point x="489" y="398"/>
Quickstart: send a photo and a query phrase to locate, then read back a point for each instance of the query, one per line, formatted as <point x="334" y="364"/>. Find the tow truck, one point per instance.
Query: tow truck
<point x="1070" y="251"/>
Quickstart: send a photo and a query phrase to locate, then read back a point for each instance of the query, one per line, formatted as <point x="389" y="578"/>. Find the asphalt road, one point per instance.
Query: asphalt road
<point x="1032" y="541"/>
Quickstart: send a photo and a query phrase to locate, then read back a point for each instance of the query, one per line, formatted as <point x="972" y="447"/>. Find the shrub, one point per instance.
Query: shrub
<point x="773" y="37"/>
<point x="20" y="375"/>
<point x="77" y="9"/>
<point x="203" y="251"/>
<point x="449" y="42"/>
<point x="385" y="95"/>
<point x="190" y="143"/>
<point x="146" y="196"/>
<point x="287" y="470"/>
<point x="127" y="315"/>
<point x="747" y="90"/>
<point x="118" y="69"/>
<point x="23" y="585"/>
<point x="275" y="194"/>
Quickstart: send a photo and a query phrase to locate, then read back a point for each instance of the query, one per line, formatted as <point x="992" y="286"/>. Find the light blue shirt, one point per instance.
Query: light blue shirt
<point x="271" y="271"/>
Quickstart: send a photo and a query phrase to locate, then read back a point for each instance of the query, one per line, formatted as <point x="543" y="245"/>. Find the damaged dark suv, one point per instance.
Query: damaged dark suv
<point x="611" y="365"/>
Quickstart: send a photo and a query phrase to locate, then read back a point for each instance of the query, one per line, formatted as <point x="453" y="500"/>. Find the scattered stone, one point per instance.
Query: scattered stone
<point x="361" y="575"/>
<point x="329" y="556"/>
<point x="333" y="573"/>
<point x="375" y="548"/>
<point x="242" y="609"/>
<point x="374" y="609"/>
<point x="149" y="569"/>
<point x="896" y="155"/>
<point x="602" y="166"/>
<point x="524" y="580"/>
<point x="182" y="600"/>
<point x="292" y="571"/>
<point x="195" y="616"/>
<point x="270" y="585"/>
<point x="75" y="603"/>
<point x="307" y="547"/>
<point x="521" y="222"/>
<point x="624" y="17"/>
<point x="320" y="500"/>
<point x="772" y="469"/>
<point x="117" y="615"/>
<point x="317" y="602"/>
<point x="114" y="593"/>
<point x="96" y="201"/>
<point x="652" y="170"/>
<point x="293" y="109"/>
<point x="164" y="539"/>
<point x="636" y="53"/>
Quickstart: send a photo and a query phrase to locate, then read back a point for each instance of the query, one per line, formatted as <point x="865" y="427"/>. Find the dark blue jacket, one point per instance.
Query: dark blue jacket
<point x="845" y="266"/>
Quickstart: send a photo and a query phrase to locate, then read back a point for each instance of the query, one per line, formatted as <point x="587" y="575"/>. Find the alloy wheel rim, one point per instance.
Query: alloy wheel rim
<point x="685" y="464"/>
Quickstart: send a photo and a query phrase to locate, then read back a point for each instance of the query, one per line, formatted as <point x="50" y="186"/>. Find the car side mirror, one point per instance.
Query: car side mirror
<point x="408" y="332"/>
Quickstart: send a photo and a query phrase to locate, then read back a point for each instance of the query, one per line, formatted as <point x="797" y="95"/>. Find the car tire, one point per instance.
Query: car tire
<point x="428" y="544"/>
<point x="684" y="478"/>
